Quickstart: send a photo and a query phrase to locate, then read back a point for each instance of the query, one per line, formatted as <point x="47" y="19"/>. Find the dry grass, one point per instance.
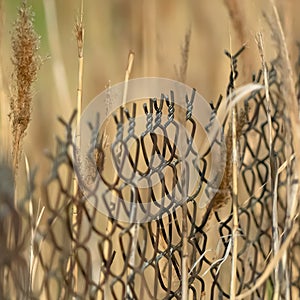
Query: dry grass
<point x="26" y="61"/>
<point x="79" y="33"/>
<point x="32" y="243"/>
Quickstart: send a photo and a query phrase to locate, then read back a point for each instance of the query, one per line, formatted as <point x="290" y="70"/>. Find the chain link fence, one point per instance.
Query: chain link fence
<point x="61" y="247"/>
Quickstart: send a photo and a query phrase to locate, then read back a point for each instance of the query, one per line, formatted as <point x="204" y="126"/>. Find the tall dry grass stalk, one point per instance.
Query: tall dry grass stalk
<point x="26" y="62"/>
<point x="110" y="223"/>
<point x="79" y="33"/>
<point x="273" y="174"/>
<point x="185" y="254"/>
<point x="134" y="231"/>
<point x="181" y="74"/>
<point x="235" y="224"/>
<point x="34" y="223"/>
<point x="234" y="181"/>
<point x="182" y="119"/>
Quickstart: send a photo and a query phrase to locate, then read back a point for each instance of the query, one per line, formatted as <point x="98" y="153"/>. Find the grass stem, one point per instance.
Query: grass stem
<point x="79" y="32"/>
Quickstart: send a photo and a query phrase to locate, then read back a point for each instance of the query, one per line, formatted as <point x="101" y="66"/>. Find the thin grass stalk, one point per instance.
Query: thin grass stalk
<point x="184" y="225"/>
<point x="259" y="41"/>
<point x="276" y="293"/>
<point x="40" y="213"/>
<point x="235" y="222"/>
<point x="127" y="75"/>
<point x="184" y="222"/>
<point x="219" y="262"/>
<point x="273" y="174"/>
<point x="79" y="32"/>
<point x="109" y="224"/>
<point x="134" y="230"/>
<point x="290" y="199"/>
<point x="34" y="224"/>
<point x="185" y="254"/>
<point x="31" y="224"/>
<point x="291" y="194"/>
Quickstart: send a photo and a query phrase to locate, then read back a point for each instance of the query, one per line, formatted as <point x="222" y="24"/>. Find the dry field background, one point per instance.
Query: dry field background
<point x="157" y="32"/>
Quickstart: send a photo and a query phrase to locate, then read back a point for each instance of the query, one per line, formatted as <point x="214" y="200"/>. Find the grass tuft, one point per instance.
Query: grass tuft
<point x="26" y="62"/>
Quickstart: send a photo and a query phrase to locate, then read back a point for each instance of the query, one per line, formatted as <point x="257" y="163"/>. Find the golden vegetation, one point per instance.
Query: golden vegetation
<point x="154" y="31"/>
<point x="26" y="62"/>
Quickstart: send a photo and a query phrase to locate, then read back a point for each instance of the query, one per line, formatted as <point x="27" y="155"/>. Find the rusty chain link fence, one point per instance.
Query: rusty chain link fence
<point x="62" y="247"/>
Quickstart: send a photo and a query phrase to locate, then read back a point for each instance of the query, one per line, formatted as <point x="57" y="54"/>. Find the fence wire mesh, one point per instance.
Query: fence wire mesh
<point x="61" y="246"/>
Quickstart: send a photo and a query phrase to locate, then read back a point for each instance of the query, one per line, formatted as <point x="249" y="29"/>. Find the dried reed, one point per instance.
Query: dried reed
<point x="234" y="179"/>
<point x="273" y="174"/>
<point x="181" y="75"/>
<point x="26" y="62"/>
<point x="79" y="33"/>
